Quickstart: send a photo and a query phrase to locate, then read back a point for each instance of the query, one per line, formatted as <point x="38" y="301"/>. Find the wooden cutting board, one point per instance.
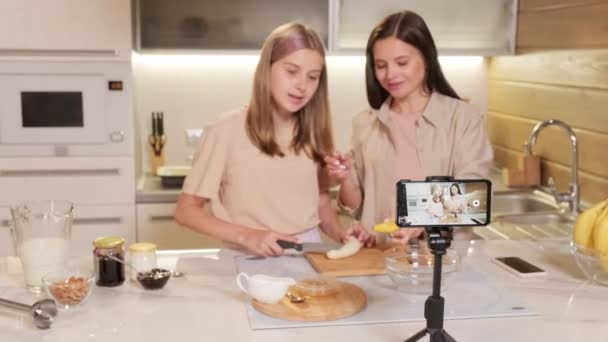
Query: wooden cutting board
<point x="368" y="261"/>
<point x="347" y="301"/>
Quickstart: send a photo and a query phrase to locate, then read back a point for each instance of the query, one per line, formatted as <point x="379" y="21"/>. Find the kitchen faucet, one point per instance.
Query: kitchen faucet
<point x="573" y="196"/>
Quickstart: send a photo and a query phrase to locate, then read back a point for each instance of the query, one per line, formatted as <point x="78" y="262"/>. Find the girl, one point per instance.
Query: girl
<point x="261" y="167"/>
<point x="417" y="125"/>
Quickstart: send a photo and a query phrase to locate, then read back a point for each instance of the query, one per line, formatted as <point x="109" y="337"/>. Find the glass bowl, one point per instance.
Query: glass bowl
<point x="593" y="264"/>
<point x="411" y="268"/>
<point x="70" y="287"/>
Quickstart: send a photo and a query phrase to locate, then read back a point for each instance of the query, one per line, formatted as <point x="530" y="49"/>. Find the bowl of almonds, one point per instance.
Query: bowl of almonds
<point x="69" y="287"/>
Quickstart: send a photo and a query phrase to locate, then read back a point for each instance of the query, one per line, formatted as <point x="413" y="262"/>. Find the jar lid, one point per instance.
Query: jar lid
<point x="142" y="247"/>
<point x="108" y="241"/>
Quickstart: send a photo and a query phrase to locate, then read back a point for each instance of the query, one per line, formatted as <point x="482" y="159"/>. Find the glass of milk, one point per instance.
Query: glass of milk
<point x="41" y="232"/>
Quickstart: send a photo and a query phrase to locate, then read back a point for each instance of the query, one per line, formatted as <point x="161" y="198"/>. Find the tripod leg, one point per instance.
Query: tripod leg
<point x="441" y="336"/>
<point x="417" y="336"/>
<point x="447" y="336"/>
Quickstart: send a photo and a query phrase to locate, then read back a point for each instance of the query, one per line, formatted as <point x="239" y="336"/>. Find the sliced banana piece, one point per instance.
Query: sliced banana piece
<point x="351" y="247"/>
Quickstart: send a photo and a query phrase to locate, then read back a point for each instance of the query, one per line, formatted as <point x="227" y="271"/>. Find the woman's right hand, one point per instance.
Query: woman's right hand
<point x="264" y="242"/>
<point x="339" y="166"/>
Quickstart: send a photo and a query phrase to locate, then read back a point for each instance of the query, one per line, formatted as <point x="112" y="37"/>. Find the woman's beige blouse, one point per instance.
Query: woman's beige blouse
<point x="451" y="140"/>
<point x="250" y="188"/>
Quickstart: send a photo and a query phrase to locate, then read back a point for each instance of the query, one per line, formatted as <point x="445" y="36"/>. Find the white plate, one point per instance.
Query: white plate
<point x="174" y="170"/>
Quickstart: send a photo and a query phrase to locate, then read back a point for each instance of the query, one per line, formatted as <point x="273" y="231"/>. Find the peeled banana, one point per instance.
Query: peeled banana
<point x="584" y="227"/>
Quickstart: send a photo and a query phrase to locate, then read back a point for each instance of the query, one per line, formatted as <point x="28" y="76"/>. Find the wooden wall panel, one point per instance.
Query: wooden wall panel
<point x="553" y="143"/>
<point x="558" y="77"/>
<point x="574" y="68"/>
<point x="581" y="25"/>
<point x="593" y="188"/>
<point x="586" y="108"/>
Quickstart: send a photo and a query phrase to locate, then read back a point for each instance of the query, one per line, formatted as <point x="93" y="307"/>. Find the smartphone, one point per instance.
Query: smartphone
<point x="460" y="202"/>
<point x="519" y="267"/>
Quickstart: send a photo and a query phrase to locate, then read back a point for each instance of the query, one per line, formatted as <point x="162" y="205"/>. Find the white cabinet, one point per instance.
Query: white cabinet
<point x="463" y="27"/>
<point x="156" y="223"/>
<point x="89" y="223"/>
<point x="84" y="181"/>
<point x="98" y="29"/>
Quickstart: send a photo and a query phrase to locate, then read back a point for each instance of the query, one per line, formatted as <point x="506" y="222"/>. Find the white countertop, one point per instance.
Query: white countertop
<point x="205" y="305"/>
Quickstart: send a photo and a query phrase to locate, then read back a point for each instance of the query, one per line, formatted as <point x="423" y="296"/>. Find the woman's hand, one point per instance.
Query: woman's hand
<point x="339" y="166"/>
<point x="403" y="236"/>
<point x="264" y="242"/>
<point x="357" y="230"/>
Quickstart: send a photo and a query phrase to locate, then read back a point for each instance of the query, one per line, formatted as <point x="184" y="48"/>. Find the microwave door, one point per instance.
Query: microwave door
<point x="52" y="109"/>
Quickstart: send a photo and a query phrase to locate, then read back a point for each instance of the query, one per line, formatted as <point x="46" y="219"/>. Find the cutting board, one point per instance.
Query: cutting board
<point x="347" y="301"/>
<point x="368" y="261"/>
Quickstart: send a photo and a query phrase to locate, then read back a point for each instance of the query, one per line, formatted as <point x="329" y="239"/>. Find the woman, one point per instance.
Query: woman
<point x="261" y="168"/>
<point x="457" y="202"/>
<point x="417" y="125"/>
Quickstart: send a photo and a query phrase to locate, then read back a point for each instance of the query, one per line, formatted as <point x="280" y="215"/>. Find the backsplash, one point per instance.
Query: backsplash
<point x="569" y="84"/>
<point x="193" y="90"/>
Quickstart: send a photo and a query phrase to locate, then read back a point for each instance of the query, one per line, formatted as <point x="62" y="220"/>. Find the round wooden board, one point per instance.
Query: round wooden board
<point x="347" y="301"/>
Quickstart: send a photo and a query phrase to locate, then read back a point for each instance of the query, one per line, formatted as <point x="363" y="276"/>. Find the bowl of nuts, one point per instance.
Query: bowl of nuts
<point x="69" y="287"/>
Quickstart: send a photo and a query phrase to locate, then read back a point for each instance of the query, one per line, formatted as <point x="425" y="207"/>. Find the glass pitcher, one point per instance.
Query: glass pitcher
<point x="41" y="233"/>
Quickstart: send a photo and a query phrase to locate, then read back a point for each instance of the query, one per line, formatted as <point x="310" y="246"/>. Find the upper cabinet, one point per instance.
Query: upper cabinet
<point x="463" y="27"/>
<point x="221" y="25"/>
<point x="94" y="29"/>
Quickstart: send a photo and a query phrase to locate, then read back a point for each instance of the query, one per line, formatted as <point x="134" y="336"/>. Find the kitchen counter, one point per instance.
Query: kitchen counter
<point x="205" y="305"/>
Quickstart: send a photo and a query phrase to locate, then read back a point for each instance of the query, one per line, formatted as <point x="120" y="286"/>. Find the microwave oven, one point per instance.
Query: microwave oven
<point x="65" y="109"/>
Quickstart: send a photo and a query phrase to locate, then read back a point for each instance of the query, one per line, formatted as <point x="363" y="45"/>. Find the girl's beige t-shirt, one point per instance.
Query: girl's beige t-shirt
<point x="250" y="188"/>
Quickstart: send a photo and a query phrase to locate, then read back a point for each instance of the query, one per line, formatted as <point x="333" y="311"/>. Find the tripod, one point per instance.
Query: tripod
<point x="433" y="307"/>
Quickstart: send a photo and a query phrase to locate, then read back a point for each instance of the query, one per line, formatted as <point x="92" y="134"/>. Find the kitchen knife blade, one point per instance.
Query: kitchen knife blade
<point x="306" y="246"/>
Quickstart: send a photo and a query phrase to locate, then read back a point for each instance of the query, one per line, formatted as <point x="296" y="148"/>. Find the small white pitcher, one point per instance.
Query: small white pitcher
<point x="264" y="288"/>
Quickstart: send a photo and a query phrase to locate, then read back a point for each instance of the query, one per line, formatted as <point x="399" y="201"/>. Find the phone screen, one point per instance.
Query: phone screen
<point x="454" y="203"/>
<point x="520" y="265"/>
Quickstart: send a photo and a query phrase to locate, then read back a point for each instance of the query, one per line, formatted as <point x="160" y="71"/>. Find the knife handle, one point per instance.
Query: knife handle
<point x="288" y="244"/>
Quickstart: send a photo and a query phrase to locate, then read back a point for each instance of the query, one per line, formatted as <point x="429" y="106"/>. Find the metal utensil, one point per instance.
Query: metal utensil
<point x="306" y="246"/>
<point x="43" y="311"/>
<point x="294" y="298"/>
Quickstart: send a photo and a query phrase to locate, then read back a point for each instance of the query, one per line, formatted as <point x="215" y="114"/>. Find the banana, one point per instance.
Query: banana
<point x="600" y="241"/>
<point x="386" y="227"/>
<point x="585" y="223"/>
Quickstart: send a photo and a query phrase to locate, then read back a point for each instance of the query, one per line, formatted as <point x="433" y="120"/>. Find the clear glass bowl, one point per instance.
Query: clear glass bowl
<point x="70" y="287"/>
<point x="593" y="264"/>
<point x="411" y="268"/>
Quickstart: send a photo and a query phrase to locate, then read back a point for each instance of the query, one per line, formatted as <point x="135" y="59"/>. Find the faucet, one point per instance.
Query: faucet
<point x="573" y="196"/>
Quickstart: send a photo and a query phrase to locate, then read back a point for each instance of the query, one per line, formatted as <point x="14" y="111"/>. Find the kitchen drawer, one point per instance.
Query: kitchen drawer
<point x="156" y="223"/>
<point x="88" y="181"/>
<point x="89" y="223"/>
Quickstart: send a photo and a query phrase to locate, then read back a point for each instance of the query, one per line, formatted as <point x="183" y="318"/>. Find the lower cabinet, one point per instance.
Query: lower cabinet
<point x="89" y="223"/>
<point x="156" y="223"/>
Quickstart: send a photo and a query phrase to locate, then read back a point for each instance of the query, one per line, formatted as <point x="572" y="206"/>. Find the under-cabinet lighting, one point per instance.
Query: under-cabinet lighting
<point x="251" y="59"/>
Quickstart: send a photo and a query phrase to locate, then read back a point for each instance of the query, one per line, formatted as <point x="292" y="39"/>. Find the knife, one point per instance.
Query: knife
<point x="306" y="246"/>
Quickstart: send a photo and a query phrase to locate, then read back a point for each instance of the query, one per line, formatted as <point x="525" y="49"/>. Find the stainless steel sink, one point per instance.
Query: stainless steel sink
<point x="536" y="218"/>
<point x="522" y="201"/>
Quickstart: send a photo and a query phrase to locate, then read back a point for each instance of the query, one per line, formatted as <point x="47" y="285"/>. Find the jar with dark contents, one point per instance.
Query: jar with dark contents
<point x="109" y="272"/>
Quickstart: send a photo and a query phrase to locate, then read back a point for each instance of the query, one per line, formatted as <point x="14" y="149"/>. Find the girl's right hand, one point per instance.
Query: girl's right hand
<point x="264" y="242"/>
<point x="339" y="166"/>
<point x="403" y="236"/>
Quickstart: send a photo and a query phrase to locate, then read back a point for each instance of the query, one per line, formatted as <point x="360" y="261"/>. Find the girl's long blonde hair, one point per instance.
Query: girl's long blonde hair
<point x="312" y="131"/>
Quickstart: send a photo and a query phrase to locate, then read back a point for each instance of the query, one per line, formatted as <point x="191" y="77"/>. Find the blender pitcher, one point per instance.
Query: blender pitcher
<point x="41" y="233"/>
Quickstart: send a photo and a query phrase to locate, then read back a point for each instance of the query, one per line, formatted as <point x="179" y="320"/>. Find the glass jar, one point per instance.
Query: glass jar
<point x="109" y="272"/>
<point x="142" y="256"/>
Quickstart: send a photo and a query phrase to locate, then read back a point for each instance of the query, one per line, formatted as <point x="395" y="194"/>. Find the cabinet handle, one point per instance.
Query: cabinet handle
<point x="5" y="223"/>
<point x="161" y="218"/>
<point x="59" y="52"/>
<point x="98" y="220"/>
<point x="59" y="172"/>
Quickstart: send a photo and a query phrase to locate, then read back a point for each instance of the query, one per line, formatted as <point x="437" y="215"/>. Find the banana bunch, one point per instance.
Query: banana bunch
<point x="591" y="230"/>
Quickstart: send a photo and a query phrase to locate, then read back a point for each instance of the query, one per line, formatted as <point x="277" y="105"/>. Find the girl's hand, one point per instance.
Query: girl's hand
<point x="403" y="236"/>
<point x="264" y="242"/>
<point x="339" y="166"/>
<point x="357" y="230"/>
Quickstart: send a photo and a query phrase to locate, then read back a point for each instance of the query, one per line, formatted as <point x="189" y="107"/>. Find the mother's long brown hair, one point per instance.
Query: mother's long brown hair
<point x="312" y="131"/>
